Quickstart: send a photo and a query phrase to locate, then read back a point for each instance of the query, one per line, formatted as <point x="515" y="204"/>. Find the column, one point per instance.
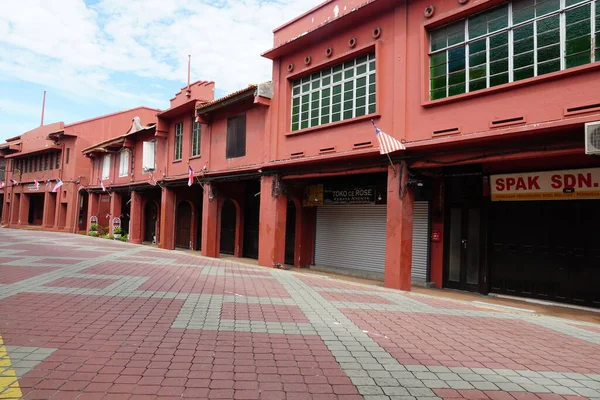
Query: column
<point x="273" y="210"/>
<point x="135" y="218"/>
<point x="398" y="254"/>
<point x="93" y="204"/>
<point x="211" y="223"/>
<point x="49" y="210"/>
<point x="24" y="210"/>
<point x="115" y="209"/>
<point x="167" y="219"/>
<point x="306" y="218"/>
<point x="436" y="264"/>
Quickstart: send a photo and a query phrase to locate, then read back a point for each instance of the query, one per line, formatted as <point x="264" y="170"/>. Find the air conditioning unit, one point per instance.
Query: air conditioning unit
<point x="592" y="138"/>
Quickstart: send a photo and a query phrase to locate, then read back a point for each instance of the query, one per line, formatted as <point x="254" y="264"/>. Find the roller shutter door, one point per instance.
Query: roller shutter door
<point x="420" y="253"/>
<point x="351" y="237"/>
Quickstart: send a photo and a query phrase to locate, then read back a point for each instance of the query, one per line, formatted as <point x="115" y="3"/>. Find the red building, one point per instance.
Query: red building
<point x="477" y="90"/>
<point x="45" y="172"/>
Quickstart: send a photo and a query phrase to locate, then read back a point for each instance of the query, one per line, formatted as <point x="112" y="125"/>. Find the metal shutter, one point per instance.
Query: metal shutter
<point x="420" y="253"/>
<point x="351" y="236"/>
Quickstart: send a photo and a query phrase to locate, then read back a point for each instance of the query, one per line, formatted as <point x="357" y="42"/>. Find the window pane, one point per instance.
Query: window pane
<point x="544" y="7"/>
<point x="547" y="67"/>
<point x="523" y="73"/>
<point x="523" y="10"/>
<point x="498" y="79"/>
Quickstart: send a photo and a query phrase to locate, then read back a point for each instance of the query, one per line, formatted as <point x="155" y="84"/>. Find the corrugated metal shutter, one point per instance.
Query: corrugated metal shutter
<point x="351" y="236"/>
<point x="420" y="253"/>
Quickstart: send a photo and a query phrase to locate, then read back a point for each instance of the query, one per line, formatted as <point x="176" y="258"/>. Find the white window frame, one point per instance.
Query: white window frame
<point x="370" y="75"/>
<point x="563" y="8"/>
<point x="106" y="166"/>
<point x="149" y="156"/>
<point x="124" y="163"/>
<point x="196" y="139"/>
<point x="178" y="142"/>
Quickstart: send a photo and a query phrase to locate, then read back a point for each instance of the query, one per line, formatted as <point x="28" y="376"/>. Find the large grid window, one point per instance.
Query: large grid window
<point x="178" y="141"/>
<point x="334" y="94"/>
<point x="195" y="138"/>
<point x="517" y="40"/>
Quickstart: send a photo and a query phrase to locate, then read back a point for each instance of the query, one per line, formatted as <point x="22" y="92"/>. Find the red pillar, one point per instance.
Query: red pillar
<point x="239" y="229"/>
<point x="115" y="209"/>
<point x="167" y="219"/>
<point x="398" y="254"/>
<point x="49" y="210"/>
<point x="24" y="210"/>
<point x="135" y="218"/>
<point x="94" y="201"/>
<point x="211" y="222"/>
<point x="273" y="209"/>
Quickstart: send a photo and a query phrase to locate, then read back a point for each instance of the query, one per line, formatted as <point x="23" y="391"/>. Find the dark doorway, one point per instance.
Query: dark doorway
<point x="251" y="219"/>
<point x="228" y="221"/>
<point x="125" y="212"/>
<point x="290" y="233"/>
<point x="1" y="207"/>
<point x="36" y="209"/>
<point x="464" y="265"/>
<point x="83" y="210"/>
<point x="183" y="225"/>
<point x="199" y="227"/>
<point x="546" y="249"/>
<point x="150" y="218"/>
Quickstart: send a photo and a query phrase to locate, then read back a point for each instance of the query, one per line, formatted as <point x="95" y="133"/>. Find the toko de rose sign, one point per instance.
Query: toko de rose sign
<point x="575" y="184"/>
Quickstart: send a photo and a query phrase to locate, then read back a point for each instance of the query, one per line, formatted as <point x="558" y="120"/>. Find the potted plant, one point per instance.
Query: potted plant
<point x="117" y="233"/>
<point x="93" y="230"/>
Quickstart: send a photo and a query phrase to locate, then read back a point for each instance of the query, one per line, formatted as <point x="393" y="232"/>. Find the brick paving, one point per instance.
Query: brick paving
<point x="87" y="318"/>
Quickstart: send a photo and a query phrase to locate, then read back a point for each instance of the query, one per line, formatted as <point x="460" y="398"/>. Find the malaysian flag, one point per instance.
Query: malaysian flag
<point x="48" y="182"/>
<point x="37" y="184"/>
<point x="14" y="183"/>
<point x="190" y="176"/>
<point x="102" y="185"/>
<point x="59" y="183"/>
<point x="387" y="144"/>
<point x="1" y="184"/>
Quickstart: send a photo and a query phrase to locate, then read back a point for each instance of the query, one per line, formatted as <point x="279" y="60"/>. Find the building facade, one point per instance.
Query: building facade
<point x="46" y="172"/>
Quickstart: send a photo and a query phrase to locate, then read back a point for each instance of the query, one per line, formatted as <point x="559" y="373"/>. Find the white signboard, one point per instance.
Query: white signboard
<point x="575" y="184"/>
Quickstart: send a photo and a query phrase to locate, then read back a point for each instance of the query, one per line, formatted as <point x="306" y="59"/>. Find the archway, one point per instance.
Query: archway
<point x="228" y="221"/>
<point x="183" y="225"/>
<point x="150" y="218"/>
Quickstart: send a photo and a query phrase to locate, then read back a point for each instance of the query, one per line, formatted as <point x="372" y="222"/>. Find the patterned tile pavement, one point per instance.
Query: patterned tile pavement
<point x="87" y="318"/>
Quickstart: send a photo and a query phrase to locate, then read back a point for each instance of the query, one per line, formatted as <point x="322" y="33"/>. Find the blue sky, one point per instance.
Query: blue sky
<point x="100" y="56"/>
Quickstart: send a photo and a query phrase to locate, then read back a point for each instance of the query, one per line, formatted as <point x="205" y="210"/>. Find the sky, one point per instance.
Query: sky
<point x="95" y="57"/>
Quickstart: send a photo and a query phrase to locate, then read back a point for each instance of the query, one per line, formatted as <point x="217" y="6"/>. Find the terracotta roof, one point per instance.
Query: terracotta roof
<point x="229" y="96"/>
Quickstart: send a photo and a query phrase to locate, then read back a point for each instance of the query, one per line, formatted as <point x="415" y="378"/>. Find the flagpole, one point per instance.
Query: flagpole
<point x="387" y="154"/>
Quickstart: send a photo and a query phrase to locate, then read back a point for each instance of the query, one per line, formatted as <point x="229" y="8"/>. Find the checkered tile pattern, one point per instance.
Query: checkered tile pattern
<point x="88" y="318"/>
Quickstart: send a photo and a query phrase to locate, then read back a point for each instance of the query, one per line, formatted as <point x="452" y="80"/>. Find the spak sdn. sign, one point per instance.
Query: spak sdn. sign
<point x="575" y="184"/>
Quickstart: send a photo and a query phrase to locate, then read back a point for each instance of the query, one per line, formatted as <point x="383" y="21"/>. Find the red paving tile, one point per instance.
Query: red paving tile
<point x="12" y="274"/>
<point x="331" y="284"/>
<point x="436" y="339"/>
<point x="449" y="304"/>
<point x="262" y="312"/>
<point x="86" y="283"/>
<point x="356" y="298"/>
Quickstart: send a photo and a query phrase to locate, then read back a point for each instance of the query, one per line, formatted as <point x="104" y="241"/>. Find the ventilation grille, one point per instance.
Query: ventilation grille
<point x="592" y="138"/>
<point x="327" y="150"/>
<point x="362" y="145"/>
<point x="507" y="121"/>
<point x="297" y="154"/>
<point x="583" y="109"/>
<point x="448" y="131"/>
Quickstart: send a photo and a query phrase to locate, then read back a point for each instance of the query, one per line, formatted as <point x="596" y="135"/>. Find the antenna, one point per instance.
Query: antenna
<point x="189" y="92"/>
<point x="43" y="108"/>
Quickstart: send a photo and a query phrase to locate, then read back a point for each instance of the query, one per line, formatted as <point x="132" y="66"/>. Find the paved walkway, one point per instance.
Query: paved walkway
<point x="89" y="318"/>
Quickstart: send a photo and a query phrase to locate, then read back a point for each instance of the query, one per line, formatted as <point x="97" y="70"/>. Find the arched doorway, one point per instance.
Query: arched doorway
<point x="150" y="218"/>
<point x="184" y="225"/>
<point x="228" y="220"/>
<point x="290" y="233"/>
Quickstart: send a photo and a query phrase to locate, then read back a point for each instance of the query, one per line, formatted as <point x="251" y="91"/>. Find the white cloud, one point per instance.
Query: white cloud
<point x="81" y="50"/>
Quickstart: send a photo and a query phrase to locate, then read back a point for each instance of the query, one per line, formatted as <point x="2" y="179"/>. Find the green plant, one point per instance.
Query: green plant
<point x="117" y="231"/>
<point x="93" y="233"/>
<point x="94" y="228"/>
<point x="107" y="236"/>
<point x="123" y="238"/>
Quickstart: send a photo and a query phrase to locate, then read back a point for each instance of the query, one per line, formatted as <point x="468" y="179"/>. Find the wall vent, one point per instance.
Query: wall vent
<point x="592" y="138"/>
<point x="447" y="131"/>
<point x="362" y="145"/>
<point x="507" y="121"/>
<point x="582" y="109"/>
<point x="297" y="154"/>
<point x="327" y="150"/>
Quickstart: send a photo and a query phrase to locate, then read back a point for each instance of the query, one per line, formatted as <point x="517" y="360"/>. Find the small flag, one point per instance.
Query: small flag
<point x="59" y="183"/>
<point x="197" y="119"/>
<point x="14" y="183"/>
<point x="1" y="184"/>
<point x="37" y="184"/>
<point x="102" y="185"/>
<point x="387" y="144"/>
<point x="48" y="183"/>
<point x="152" y="180"/>
<point x="190" y="176"/>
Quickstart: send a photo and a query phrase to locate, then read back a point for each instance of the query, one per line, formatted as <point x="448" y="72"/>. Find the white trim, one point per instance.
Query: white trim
<point x="106" y="162"/>
<point x="124" y="162"/>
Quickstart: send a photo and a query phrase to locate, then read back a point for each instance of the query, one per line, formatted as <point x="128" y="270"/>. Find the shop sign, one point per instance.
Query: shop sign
<point x="318" y="195"/>
<point x="32" y="188"/>
<point x="575" y="184"/>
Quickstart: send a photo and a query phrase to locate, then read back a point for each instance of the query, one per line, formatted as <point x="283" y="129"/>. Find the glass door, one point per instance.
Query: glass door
<point x="463" y="264"/>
